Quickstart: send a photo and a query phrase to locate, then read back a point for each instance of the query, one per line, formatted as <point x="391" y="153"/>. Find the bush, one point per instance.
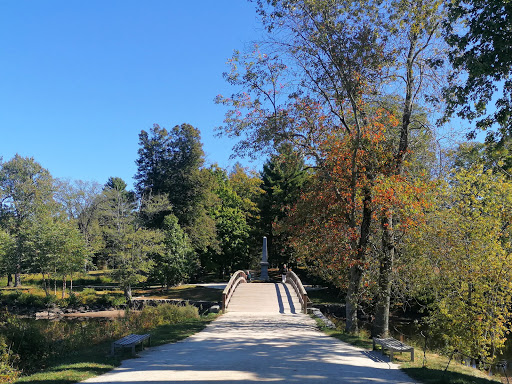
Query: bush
<point x="172" y="314"/>
<point x="7" y="362"/>
<point x="27" y="344"/>
<point x="73" y="300"/>
<point x="111" y="300"/>
<point x="24" y="299"/>
<point x="88" y="296"/>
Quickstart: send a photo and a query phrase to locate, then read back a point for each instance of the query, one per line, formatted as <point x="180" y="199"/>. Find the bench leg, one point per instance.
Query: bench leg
<point x="412" y="354"/>
<point x="133" y="350"/>
<point x="391" y="355"/>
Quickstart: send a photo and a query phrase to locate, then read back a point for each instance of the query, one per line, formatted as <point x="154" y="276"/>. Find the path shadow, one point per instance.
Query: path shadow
<point x="290" y="300"/>
<point x="279" y="298"/>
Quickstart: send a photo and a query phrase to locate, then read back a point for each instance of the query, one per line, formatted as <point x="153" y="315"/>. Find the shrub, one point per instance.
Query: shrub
<point x="7" y="361"/>
<point x="111" y="300"/>
<point x="172" y="314"/>
<point x="88" y="296"/>
<point x="73" y="300"/>
<point x="23" y="298"/>
<point x="27" y="344"/>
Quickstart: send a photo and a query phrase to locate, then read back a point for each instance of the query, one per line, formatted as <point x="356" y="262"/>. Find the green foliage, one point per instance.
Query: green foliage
<point x="91" y="360"/>
<point x="151" y="317"/>
<point x="26" y="193"/>
<point x="127" y="246"/>
<point x="7" y="361"/>
<point x="491" y="155"/>
<point x="20" y="298"/>
<point x="55" y="245"/>
<point x="80" y="200"/>
<point x="232" y="215"/>
<point x="479" y="35"/>
<point x="177" y="261"/>
<point x="28" y="345"/>
<point x="7" y="246"/>
<point x="170" y="164"/>
<point x="283" y="177"/>
<point x="460" y="261"/>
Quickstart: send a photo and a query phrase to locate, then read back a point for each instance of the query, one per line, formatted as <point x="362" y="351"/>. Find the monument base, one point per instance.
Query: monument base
<point x="264" y="271"/>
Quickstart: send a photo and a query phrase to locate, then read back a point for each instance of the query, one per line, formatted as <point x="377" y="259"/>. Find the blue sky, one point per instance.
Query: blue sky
<point x="79" y="80"/>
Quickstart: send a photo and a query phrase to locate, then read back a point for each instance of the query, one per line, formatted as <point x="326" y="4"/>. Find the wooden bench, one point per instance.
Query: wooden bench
<point x="131" y="341"/>
<point x="393" y="345"/>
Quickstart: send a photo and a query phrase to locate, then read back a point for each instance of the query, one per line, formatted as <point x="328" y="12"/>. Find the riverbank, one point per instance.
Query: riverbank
<point x="44" y="347"/>
<point x="430" y="368"/>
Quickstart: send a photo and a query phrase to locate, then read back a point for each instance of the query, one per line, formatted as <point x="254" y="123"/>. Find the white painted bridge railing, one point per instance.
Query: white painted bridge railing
<point x="238" y="278"/>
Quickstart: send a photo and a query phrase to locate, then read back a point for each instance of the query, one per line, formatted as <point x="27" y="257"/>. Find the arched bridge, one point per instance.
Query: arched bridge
<point x="238" y="296"/>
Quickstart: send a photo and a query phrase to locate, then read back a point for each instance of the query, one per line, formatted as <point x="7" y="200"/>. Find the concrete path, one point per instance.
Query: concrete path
<point x="265" y="346"/>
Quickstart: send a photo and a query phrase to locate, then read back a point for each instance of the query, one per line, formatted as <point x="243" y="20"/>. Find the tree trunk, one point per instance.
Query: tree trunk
<point x="63" y="286"/>
<point x="45" y="285"/>
<point x="17" y="279"/>
<point x="356" y="270"/>
<point x="352" y="299"/>
<point x="9" y="280"/>
<point x="71" y="284"/>
<point x="381" y="324"/>
<point x="128" y="294"/>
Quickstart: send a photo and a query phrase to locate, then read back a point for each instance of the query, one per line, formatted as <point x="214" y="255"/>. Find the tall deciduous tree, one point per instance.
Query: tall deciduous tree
<point x="346" y="54"/>
<point x="6" y="249"/>
<point x="55" y="247"/>
<point x="233" y="230"/>
<point x="128" y="246"/>
<point x="80" y="200"/>
<point x="26" y="191"/>
<point x="460" y="261"/>
<point x="480" y="38"/>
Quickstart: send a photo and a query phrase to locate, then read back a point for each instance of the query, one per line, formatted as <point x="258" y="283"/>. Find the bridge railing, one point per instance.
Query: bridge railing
<point x="293" y="279"/>
<point x="236" y="279"/>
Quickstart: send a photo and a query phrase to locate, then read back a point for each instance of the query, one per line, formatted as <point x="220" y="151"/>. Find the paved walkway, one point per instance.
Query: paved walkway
<point x="267" y="346"/>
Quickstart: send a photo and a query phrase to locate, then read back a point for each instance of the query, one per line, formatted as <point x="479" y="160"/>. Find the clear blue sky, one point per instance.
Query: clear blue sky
<point x="80" y="79"/>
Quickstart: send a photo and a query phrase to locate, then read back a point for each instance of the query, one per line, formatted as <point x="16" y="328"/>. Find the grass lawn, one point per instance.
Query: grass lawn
<point x="433" y="372"/>
<point x="96" y="360"/>
<point x="183" y="292"/>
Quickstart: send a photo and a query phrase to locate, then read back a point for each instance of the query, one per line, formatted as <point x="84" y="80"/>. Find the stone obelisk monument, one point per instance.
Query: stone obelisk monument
<point x="264" y="261"/>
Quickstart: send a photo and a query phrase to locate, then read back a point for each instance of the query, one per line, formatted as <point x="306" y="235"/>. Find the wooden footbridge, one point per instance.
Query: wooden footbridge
<point x="239" y="296"/>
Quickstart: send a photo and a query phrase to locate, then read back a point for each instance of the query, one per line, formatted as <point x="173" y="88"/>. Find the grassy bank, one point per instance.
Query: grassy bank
<point x="428" y="370"/>
<point x="95" y="360"/>
<point x="66" y="352"/>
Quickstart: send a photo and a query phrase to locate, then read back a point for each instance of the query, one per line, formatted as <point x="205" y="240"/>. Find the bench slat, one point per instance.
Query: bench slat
<point x="130" y="341"/>
<point x="393" y="345"/>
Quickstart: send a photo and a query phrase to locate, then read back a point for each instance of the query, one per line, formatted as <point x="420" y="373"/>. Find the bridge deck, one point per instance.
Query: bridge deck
<point x="264" y="297"/>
